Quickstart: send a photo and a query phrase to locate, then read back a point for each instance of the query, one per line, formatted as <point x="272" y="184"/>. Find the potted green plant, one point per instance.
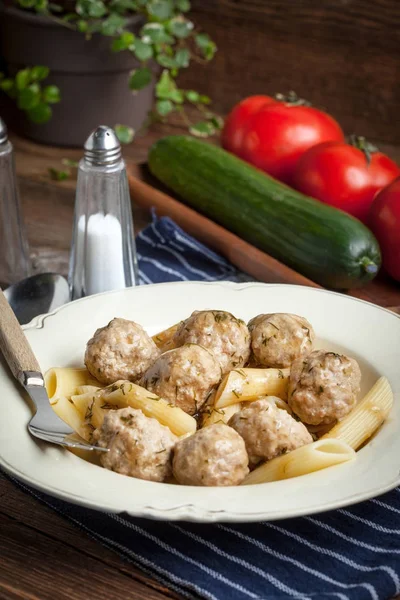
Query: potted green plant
<point x="73" y="64"/>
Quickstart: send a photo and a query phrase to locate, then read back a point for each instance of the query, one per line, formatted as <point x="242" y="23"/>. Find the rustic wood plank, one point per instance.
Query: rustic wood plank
<point x="39" y="548"/>
<point x="338" y="54"/>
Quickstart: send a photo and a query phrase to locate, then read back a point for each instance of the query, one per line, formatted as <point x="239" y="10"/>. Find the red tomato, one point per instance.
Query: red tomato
<point x="236" y="122"/>
<point x="279" y="133"/>
<point x="339" y="174"/>
<point x="384" y="220"/>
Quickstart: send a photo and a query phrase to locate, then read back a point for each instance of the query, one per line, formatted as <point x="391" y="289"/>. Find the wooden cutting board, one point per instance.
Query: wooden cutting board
<point x="148" y="193"/>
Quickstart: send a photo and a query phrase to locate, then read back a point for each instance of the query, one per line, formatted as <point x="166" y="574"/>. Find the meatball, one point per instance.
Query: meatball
<point x="323" y="387"/>
<point x="138" y="445"/>
<point x="268" y="430"/>
<point x="185" y="376"/>
<point x="224" y="335"/>
<point x="212" y="456"/>
<point x="121" y="350"/>
<point x="278" y="339"/>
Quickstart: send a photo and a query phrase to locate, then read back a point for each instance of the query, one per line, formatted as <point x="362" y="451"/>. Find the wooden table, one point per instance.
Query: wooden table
<point x="43" y="557"/>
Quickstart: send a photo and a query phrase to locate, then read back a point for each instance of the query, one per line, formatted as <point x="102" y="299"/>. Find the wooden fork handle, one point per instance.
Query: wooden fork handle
<point x="13" y="343"/>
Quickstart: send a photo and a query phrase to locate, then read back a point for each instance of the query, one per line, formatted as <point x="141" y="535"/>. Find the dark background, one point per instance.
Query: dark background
<point x="342" y="55"/>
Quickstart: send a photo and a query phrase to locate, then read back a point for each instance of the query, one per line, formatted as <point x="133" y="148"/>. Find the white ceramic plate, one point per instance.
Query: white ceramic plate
<point x="369" y="333"/>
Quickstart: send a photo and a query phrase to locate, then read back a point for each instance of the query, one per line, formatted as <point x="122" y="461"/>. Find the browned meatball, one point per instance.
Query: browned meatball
<point x="185" y="376"/>
<point x="121" y="350"/>
<point x="323" y="387"/>
<point x="138" y="445"/>
<point x="268" y="430"/>
<point x="219" y="331"/>
<point x="278" y="339"/>
<point x="213" y="456"/>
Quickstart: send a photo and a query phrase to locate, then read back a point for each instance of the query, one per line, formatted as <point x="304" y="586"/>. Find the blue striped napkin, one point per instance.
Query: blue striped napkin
<point x="350" y="554"/>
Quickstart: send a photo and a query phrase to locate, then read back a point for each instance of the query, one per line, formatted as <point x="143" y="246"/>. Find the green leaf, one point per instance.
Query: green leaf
<point x="57" y="175"/>
<point x="192" y="96"/>
<point x="157" y="34"/>
<point x="161" y="9"/>
<point x="182" y="58"/>
<point x="27" y="3"/>
<point x="140" y="78"/>
<point x="125" y="40"/>
<point x="143" y="51"/>
<point x="164" y="107"/>
<point x="122" y="6"/>
<point x="204" y="99"/>
<point x="113" y="24"/>
<point x="91" y="8"/>
<point x="39" y="73"/>
<point x="51" y="94"/>
<point x="166" y="61"/>
<point x="180" y="27"/>
<point x="70" y="17"/>
<point x="6" y="85"/>
<point x="206" y="45"/>
<point x="124" y="133"/>
<point x="29" y="97"/>
<point x="40" y="113"/>
<point x="82" y="26"/>
<point x="22" y="79"/>
<point x="41" y="6"/>
<point x="217" y="121"/>
<point x="183" y="5"/>
<point x="202" y="129"/>
<point x="166" y="89"/>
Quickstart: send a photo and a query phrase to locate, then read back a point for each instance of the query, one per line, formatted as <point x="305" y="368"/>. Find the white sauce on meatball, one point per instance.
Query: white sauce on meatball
<point x="268" y="430"/>
<point x="323" y="387"/>
<point x="278" y="339"/>
<point x="219" y="331"/>
<point x="214" y="456"/>
<point x="138" y="445"/>
<point x="185" y="376"/>
<point x="121" y="350"/>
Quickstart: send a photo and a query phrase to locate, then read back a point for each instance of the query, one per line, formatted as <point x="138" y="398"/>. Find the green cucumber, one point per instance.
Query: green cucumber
<point x="319" y="241"/>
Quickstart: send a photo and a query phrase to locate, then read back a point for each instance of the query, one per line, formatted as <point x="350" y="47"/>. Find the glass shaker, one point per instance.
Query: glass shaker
<point x="103" y="251"/>
<point x="14" y="253"/>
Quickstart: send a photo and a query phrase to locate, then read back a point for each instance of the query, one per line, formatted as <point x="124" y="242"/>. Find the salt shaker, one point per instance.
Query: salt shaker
<point x="14" y="253"/>
<point x="103" y="252"/>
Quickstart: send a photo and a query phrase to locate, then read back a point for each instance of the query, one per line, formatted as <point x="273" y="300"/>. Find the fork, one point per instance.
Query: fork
<point x="45" y="424"/>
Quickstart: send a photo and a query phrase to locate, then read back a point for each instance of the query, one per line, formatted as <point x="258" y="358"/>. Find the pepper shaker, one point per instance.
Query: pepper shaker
<point x="103" y="251"/>
<point x="14" y="253"/>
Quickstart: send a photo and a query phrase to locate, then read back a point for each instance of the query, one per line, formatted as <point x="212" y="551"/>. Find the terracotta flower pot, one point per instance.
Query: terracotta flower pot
<point x="92" y="79"/>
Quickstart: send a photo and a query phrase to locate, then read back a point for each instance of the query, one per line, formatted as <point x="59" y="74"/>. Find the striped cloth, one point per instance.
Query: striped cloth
<point x="350" y="554"/>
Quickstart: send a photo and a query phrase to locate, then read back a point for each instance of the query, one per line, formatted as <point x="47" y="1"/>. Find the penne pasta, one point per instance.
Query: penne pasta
<point x="82" y="401"/>
<point x="85" y="389"/>
<point x="213" y="415"/>
<point x="365" y="418"/>
<point x="164" y="339"/>
<point x="62" y="382"/>
<point x="125" y="393"/>
<point x="307" y="459"/>
<point x="246" y="385"/>
<point x="66" y="410"/>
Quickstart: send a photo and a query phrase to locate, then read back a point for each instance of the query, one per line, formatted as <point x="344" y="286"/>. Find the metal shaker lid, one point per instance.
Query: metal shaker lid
<point x="3" y="132"/>
<point x="102" y="147"/>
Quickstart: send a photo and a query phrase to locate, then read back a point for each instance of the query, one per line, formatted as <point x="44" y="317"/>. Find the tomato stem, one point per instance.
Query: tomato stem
<point x="292" y="99"/>
<point x="369" y="265"/>
<point x="361" y="143"/>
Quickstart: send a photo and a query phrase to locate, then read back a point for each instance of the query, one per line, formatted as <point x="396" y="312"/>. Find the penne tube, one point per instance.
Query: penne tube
<point x="164" y="339"/>
<point x="62" y="382"/>
<point x="366" y="417"/>
<point x="66" y="410"/>
<point x="213" y="415"/>
<point x="307" y="459"/>
<point x="125" y="393"/>
<point x="82" y="401"/>
<point x="246" y="385"/>
<point x="85" y="389"/>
